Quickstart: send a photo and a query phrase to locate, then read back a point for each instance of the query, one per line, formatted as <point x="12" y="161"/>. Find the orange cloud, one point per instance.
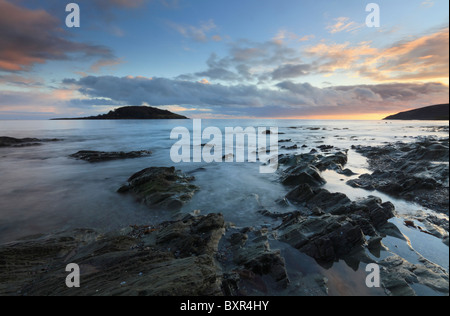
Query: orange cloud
<point x="424" y="58"/>
<point x="343" y="24"/>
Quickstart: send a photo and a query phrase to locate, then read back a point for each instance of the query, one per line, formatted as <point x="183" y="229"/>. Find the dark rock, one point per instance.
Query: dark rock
<point x="326" y="238"/>
<point x="290" y="147"/>
<point x="337" y="160"/>
<point x="255" y="259"/>
<point x="302" y="174"/>
<point x="335" y="203"/>
<point x="415" y="172"/>
<point x="24" y="142"/>
<point x="397" y="276"/>
<point x="134" y="262"/>
<point x="325" y="147"/>
<point x="98" y="156"/>
<point x="161" y="187"/>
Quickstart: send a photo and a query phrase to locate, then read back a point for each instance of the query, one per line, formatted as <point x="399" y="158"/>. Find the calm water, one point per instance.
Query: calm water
<point x="43" y="190"/>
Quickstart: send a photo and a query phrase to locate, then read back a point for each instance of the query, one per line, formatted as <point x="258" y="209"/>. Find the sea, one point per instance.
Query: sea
<point x="43" y="190"/>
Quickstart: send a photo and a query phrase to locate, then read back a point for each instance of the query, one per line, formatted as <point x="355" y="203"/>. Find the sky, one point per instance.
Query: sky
<point x="308" y="59"/>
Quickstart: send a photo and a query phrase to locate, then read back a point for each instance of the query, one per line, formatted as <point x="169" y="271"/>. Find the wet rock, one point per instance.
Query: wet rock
<point x="290" y="147"/>
<point x="99" y="156"/>
<point x="24" y="142"/>
<point x="431" y="224"/>
<point x="333" y="162"/>
<point x="397" y="276"/>
<point x="257" y="265"/>
<point x="302" y="174"/>
<point x="335" y="203"/>
<point x="161" y="187"/>
<point x="369" y="214"/>
<point x="417" y="172"/>
<point x="326" y="238"/>
<point x="137" y="261"/>
<point x="325" y="147"/>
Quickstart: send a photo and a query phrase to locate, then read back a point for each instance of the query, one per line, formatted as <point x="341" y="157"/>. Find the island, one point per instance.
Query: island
<point x="430" y="113"/>
<point x="133" y="113"/>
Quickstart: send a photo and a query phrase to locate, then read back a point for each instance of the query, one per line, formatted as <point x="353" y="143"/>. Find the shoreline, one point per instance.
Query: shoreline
<point x="250" y="247"/>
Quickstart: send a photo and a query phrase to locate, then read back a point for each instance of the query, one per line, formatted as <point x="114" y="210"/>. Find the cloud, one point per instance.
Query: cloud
<point x="284" y="99"/>
<point x="343" y="24"/>
<point x="333" y="57"/>
<point x="424" y="57"/>
<point x="249" y="61"/>
<point x="105" y="63"/>
<point x="428" y="3"/>
<point x="421" y="58"/>
<point x="196" y="33"/>
<point x="284" y="36"/>
<point x="291" y="71"/>
<point x="29" y="37"/>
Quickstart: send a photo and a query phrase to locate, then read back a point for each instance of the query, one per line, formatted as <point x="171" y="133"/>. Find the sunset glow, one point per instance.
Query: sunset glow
<point x="299" y="59"/>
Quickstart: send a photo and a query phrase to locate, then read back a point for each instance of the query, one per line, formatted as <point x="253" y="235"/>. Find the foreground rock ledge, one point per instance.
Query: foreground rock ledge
<point x="171" y="259"/>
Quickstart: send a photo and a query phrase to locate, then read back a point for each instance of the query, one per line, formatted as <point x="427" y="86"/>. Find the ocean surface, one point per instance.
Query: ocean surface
<point x="43" y="190"/>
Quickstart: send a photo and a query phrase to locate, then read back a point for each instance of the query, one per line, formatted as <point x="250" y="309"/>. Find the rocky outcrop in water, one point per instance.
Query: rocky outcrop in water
<point x="161" y="187"/>
<point x="23" y="142"/>
<point x="100" y="156"/>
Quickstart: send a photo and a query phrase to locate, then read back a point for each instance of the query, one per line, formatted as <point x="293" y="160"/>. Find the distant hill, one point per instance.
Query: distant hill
<point x="431" y="113"/>
<point x="133" y="113"/>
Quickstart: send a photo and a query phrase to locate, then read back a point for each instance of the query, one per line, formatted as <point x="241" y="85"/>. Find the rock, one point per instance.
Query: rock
<point x="99" y="156"/>
<point x="325" y="147"/>
<point x="416" y="172"/>
<point x="24" y="142"/>
<point x="326" y="238"/>
<point x="161" y="187"/>
<point x="255" y="262"/>
<point x="334" y="161"/>
<point x="397" y="276"/>
<point x="335" y="203"/>
<point x="290" y="147"/>
<point x="302" y="175"/>
<point x="136" y="263"/>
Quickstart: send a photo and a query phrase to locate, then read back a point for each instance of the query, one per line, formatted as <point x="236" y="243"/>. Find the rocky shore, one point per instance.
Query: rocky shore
<point x="202" y="255"/>
<point x="417" y="172"/>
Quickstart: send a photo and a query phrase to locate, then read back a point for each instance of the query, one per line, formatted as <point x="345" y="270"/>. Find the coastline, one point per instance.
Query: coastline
<point x="255" y="252"/>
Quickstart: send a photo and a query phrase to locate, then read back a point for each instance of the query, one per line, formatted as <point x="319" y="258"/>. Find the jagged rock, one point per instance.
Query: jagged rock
<point x="161" y="187"/>
<point x="135" y="261"/>
<point x="417" y="172"/>
<point x="325" y="238"/>
<point x="254" y="259"/>
<point x="302" y="174"/>
<point x="335" y="203"/>
<point x="397" y="276"/>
